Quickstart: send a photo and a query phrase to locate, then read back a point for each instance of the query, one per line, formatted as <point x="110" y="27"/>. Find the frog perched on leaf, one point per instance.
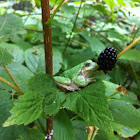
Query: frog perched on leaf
<point x="77" y="76"/>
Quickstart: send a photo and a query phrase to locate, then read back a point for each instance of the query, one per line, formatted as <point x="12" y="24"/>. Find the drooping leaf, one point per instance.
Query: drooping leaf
<point x="63" y="129"/>
<point x="26" y="109"/>
<point x="80" y="129"/>
<point x="52" y="104"/>
<point x="35" y="59"/>
<point x="132" y="55"/>
<point x="124" y="131"/>
<point x="11" y="27"/>
<point x="91" y="104"/>
<point x="111" y="4"/>
<point x="5" y="57"/>
<point x="15" y="51"/>
<point x="5" y="106"/>
<point x="32" y="134"/>
<point x="20" y="73"/>
<point x="125" y="113"/>
<point x="42" y="84"/>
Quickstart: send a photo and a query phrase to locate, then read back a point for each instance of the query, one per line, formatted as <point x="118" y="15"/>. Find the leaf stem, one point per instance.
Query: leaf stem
<point x="13" y="79"/>
<point x="112" y="94"/>
<point x="94" y="133"/>
<point x="129" y="47"/>
<point x="11" y="85"/>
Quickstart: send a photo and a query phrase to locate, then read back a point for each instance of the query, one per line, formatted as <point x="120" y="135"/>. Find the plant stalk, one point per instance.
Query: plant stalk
<point x="11" y="85"/>
<point x="48" y="57"/>
<point x="129" y="47"/>
<point x="13" y="79"/>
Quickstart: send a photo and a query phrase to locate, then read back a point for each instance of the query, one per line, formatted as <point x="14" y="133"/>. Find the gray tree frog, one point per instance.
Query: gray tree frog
<point x="77" y="76"/>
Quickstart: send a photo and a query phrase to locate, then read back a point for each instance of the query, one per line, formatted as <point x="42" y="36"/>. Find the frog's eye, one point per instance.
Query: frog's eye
<point x="87" y="64"/>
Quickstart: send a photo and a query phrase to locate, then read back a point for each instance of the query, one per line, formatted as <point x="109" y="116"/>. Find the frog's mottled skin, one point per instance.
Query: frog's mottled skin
<point x="76" y="77"/>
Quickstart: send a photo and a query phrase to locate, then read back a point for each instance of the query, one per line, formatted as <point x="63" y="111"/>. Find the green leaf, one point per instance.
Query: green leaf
<point x="11" y="27"/>
<point x="42" y="84"/>
<point x="35" y="59"/>
<point x="91" y="104"/>
<point x="102" y="135"/>
<point x="5" y="107"/>
<point x="63" y="129"/>
<point x="20" y="73"/>
<point x="111" y="4"/>
<point x="80" y="129"/>
<point x="95" y="44"/>
<point x="12" y="132"/>
<point x="15" y="51"/>
<point x="132" y="55"/>
<point x="124" y="131"/>
<point x="32" y="135"/>
<point x="124" y="113"/>
<point x="52" y="104"/>
<point x="5" y="57"/>
<point x="26" y="109"/>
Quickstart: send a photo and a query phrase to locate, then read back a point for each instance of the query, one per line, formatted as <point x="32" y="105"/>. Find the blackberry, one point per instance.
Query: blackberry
<point x="107" y="59"/>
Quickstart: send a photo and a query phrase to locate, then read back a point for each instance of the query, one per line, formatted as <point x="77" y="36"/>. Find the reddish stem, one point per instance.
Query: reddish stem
<point x="48" y="56"/>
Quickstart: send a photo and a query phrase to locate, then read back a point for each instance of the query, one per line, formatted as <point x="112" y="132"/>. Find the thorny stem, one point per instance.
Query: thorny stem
<point x="129" y="47"/>
<point x="11" y="85"/>
<point x="73" y="27"/>
<point x="48" y="56"/>
<point x="13" y="79"/>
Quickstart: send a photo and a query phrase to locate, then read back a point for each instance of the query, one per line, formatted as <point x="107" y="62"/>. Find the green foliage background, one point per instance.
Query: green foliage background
<point x="75" y="39"/>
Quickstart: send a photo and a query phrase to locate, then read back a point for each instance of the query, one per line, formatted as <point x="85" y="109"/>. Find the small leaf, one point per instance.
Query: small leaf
<point x="63" y="129"/>
<point x="5" y="57"/>
<point x="52" y="104"/>
<point x="26" y="109"/>
<point x="132" y="55"/>
<point x="124" y="113"/>
<point x="42" y="84"/>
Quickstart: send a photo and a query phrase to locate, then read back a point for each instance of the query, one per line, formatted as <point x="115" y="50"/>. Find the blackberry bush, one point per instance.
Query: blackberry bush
<point x="107" y="59"/>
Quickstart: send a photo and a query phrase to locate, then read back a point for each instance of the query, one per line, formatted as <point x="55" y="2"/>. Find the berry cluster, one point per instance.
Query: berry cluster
<point x="107" y="59"/>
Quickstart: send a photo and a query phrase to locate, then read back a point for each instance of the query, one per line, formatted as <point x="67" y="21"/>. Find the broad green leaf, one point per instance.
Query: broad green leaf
<point x="20" y="73"/>
<point x="35" y="59"/>
<point x="110" y="88"/>
<point x="124" y="131"/>
<point x="121" y="2"/>
<point x="63" y="129"/>
<point x="102" y="135"/>
<point x="11" y="27"/>
<point x="52" y="104"/>
<point x="95" y="44"/>
<point x="125" y="113"/>
<point x="15" y="51"/>
<point x="5" y="57"/>
<point x="68" y="9"/>
<point x="42" y="84"/>
<point x="132" y="55"/>
<point x="32" y="135"/>
<point x="111" y="4"/>
<point x="5" y="107"/>
<point x="12" y="132"/>
<point x="91" y="104"/>
<point x="26" y="109"/>
<point x="80" y="129"/>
